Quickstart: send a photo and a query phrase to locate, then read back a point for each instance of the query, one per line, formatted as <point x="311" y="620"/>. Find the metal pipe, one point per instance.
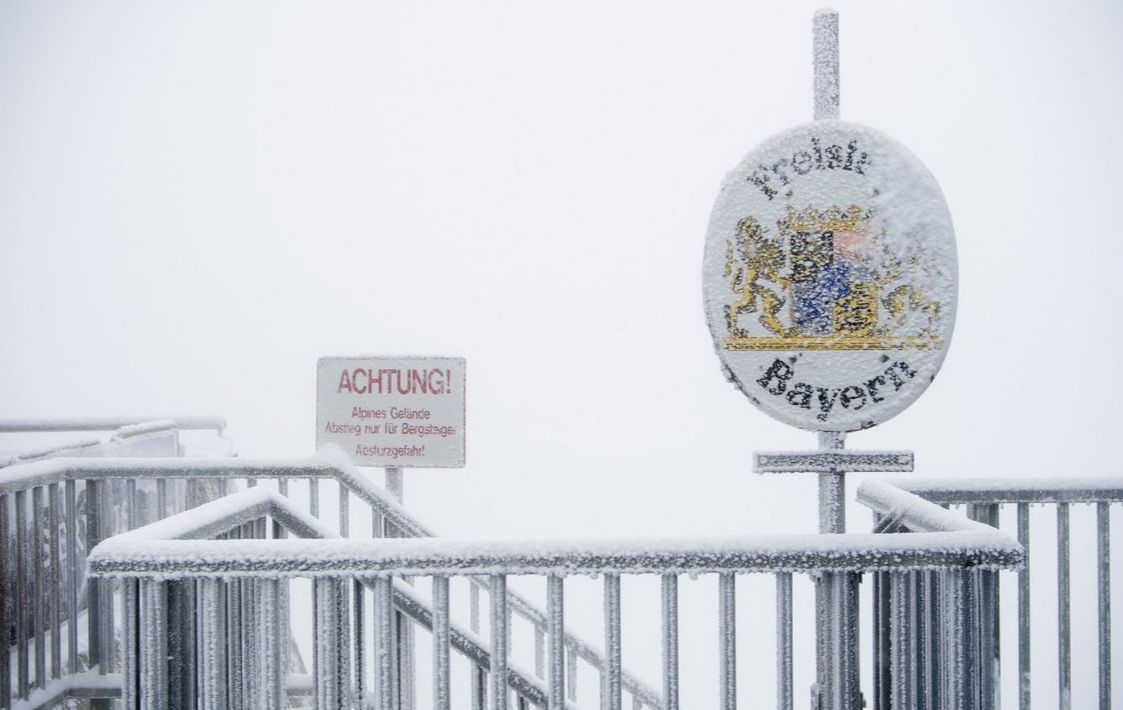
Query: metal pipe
<point x="1024" y="656"/>
<point x="130" y="651"/>
<point x="825" y="29"/>
<point x="555" y="613"/>
<point x="5" y="606"/>
<point x="1103" y="576"/>
<point x="670" y="641"/>
<point x="23" y="606"/>
<point x="344" y="511"/>
<point x="784" y="695"/>
<point x="612" y="646"/>
<point x="1064" y="628"/>
<point x="498" y="598"/>
<point x="727" y="640"/>
<point x="383" y="636"/>
<point x="54" y="583"/>
<point x="442" y="682"/>
<point x="72" y="571"/>
<point x="314" y="497"/>
<point x="39" y="598"/>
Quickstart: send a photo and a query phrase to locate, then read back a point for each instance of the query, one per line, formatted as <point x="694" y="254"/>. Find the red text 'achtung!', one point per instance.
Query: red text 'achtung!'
<point x="393" y="381"/>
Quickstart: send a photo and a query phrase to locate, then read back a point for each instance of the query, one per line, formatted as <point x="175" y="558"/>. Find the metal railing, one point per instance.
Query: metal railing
<point x="984" y="500"/>
<point x="202" y="479"/>
<point x="956" y="547"/>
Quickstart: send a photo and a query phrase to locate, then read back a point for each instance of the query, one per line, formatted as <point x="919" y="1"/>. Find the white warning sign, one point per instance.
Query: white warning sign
<point x="393" y="411"/>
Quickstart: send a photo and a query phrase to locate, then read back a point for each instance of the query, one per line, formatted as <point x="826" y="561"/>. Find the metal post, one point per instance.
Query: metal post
<point x="1064" y="629"/>
<point x="670" y="642"/>
<point x="498" y="598"/>
<point x="442" y="699"/>
<point x="784" y="697"/>
<point x="1023" y="612"/>
<point x="1103" y="575"/>
<point x="555" y="617"/>
<point x="825" y="53"/>
<point x="612" y="643"/>
<point x="727" y="640"/>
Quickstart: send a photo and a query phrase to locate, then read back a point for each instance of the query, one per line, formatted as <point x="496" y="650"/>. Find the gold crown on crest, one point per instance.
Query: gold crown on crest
<point x="832" y="219"/>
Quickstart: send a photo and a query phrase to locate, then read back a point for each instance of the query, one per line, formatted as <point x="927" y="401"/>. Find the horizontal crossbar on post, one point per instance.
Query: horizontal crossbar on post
<point x="832" y="461"/>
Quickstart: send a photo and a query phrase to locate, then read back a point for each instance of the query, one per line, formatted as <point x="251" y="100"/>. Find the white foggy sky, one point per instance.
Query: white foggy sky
<point x="199" y="199"/>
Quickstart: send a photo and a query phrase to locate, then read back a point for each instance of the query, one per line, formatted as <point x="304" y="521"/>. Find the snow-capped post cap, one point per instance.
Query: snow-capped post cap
<point x="829" y="276"/>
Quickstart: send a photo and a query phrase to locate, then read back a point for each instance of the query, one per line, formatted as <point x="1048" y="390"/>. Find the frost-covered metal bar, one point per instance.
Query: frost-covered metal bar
<point x="384" y="663"/>
<point x="612" y="692"/>
<point x="832" y="461"/>
<point x="1103" y="578"/>
<point x="5" y="606"/>
<point x="23" y="606"/>
<point x="1024" y="646"/>
<point x="130" y="645"/>
<point x="12" y="426"/>
<point x="1061" y="489"/>
<point x="1064" y="627"/>
<point x="54" y="580"/>
<point x="670" y="641"/>
<point x="38" y="585"/>
<point x="442" y="680"/>
<point x="72" y="573"/>
<point x="825" y="30"/>
<point x="555" y="612"/>
<point x="784" y="696"/>
<point x="727" y="640"/>
<point x="498" y="601"/>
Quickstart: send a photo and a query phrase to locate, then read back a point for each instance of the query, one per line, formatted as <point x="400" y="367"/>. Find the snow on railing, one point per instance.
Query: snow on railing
<point x="159" y="553"/>
<point x="984" y="499"/>
<point x="184" y="423"/>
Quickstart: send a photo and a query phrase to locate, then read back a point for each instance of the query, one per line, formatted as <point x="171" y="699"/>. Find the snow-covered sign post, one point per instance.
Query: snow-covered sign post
<point x="830" y="292"/>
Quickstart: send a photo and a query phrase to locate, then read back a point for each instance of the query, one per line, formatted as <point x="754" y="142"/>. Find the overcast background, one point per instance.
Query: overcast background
<point x="197" y="200"/>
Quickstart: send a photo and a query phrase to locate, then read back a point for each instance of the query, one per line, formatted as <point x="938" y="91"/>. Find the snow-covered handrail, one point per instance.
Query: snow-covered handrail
<point x="196" y="423"/>
<point x="918" y="514"/>
<point x="199" y="525"/>
<point x="1061" y="489"/>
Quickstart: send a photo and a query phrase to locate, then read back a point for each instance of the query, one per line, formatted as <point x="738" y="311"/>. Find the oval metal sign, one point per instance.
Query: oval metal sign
<point x="830" y="276"/>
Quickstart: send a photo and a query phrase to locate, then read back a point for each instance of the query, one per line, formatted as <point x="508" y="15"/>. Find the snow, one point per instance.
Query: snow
<point x="85" y="684"/>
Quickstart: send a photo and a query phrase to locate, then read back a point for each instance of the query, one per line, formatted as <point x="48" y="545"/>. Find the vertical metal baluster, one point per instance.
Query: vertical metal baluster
<point x="612" y="688"/>
<point x="210" y="639"/>
<point x="442" y="689"/>
<point x="72" y="571"/>
<point x="539" y="652"/>
<point x="727" y="640"/>
<point x="161" y="498"/>
<point x="39" y="598"/>
<point x="344" y="510"/>
<point x="497" y="594"/>
<point x="23" y="608"/>
<point x="383" y="636"/>
<point x="283" y="489"/>
<point x="359" y="597"/>
<point x="155" y="694"/>
<point x="1023" y="612"/>
<point x="479" y="680"/>
<point x="130" y="638"/>
<point x="54" y="582"/>
<point x="93" y="585"/>
<point x="314" y="497"/>
<point x="571" y="674"/>
<point x="1103" y="576"/>
<point x="898" y="616"/>
<point x="670" y="641"/>
<point x="5" y="606"/>
<point x="784" y="696"/>
<point x="132" y="519"/>
<point x="322" y="656"/>
<point x="555" y="620"/>
<point x="1064" y="629"/>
